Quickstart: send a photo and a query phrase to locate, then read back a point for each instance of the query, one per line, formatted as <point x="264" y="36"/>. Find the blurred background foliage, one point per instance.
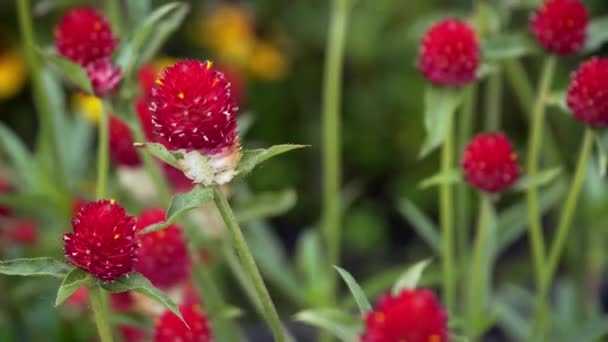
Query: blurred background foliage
<point x="276" y="49"/>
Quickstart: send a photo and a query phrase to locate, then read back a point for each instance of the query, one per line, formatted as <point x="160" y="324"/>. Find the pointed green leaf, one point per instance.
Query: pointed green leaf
<point x="423" y="225"/>
<point x="71" y="283"/>
<point x="311" y="266"/>
<point x="73" y="72"/>
<point x="440" y="105"/>
<point x="558" y="99"/>
<point x="542" y="178"/>
<point x="180" y="204"/>
<point x="19" y="156"/>
<point x="265" y="205"/>
<point x="453" y="176"/>
<point x="140" y="284"/>
<point x="597" y="34"/>
<point x="355" y="290"/>
<point x="161" y="152"/>
<point x="35" y="267"/>
<point x="602" y="153"/>
<point x="410" y="277"/>
<point x="342" y="325"/>
<point x="251" y="158"/>
<point x="162" y="31"/>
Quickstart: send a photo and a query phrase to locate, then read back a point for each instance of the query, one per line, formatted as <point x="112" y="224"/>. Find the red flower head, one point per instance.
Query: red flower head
<point x="145" y="118"/>
<point x="489" y="162"/>
<point x="122" y="150"/>
<point x="84" y="36"/>
<point x="412" y="315"/>
<point x="131" y="333"/>
<point x="449" y="54"/>
<point x="147" y="76"/>
<point x="103" y="242"/>
<point x="588" y="92"/>
<point x="560" y="26"/>
<point x="23" y="231"/>
<point x="170" y="328"/>
<point x="163" y="256"/>
<point x="193" y="108"/>
<point x="179" y="182"/>
<point x="104" y="76"/>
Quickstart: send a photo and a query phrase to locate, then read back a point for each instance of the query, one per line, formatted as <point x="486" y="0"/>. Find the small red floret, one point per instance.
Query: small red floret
<point x="84" y="36"/>
<point x="193" y="108"/>
<point x="23" y="231"/>
<point x="414" y="315"/>
<point x="489" y="162"/>
<point x="449" y="53"/>
<point x="588" y="93"/>
<point x="122" y="150"/>
<point x="170" y="328"/>
<point x="104" y="76"/>
<point x="163" y="255"/>
<point x="560" y="26"/>
<point x="103" y="242"/>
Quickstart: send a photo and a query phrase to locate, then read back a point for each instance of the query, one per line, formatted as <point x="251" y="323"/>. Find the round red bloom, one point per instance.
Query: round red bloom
<point x="23" y="231"/>
<point x="104" y="76"/>
<point x="84" y="36"/>
<point x="122" y="150"/>
<point x="414" y="315"/>
<point x="489" y="162"/>
<point x="588" y="93"/>
<point x="103" y="242"/>
<point x="170" y="328"/>
<point x="147" y="76"/>
<point x="560" y="26"/>
<point x="193" y="108"/>
<point x="449" y="53"/>
<point x="163" y="255"/>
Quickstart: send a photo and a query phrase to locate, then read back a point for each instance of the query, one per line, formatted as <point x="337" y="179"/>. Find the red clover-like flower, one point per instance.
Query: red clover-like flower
<point x="413" y="315"/>
<point x="449" y="53"/>
<point x="103" y="242"/>
<point x="104" y="76"/>
<point x="560" y="26"/>
<point x="588" y="93"/>
<point x="170" y="328"/>
<point x="22" y="231"/>
<point x="489" y="162"/>
<point x="122" y="151"/>
<point x="163" y="255"/>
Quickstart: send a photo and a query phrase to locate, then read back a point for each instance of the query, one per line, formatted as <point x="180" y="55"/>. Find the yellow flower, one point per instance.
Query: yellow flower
<point x="267" y="62"/>
<point x="13" y="73"/>
<point x="88" y="106"/>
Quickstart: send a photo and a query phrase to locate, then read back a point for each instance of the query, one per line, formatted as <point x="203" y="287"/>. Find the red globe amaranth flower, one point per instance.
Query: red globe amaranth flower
<point x="414" y="315"/>
<point x="193" y="108"/>
<point x="131" y="333"/>
<point x="122" y="150"/>
<point x="145" y="118"/>
<point x="560" y="26"/>
<point x="103" y="242"/>
<point x="104" y="76"/>
<point x="23" y="231"/>
<point x="147" y="76"/>
<point x="449" y="53"/>
<point x="489" y="162"/>
<point x="163" y="255"/>
<point x="179" y="182"/>
<point x="170" y="328"/>
<point x="588" y="93"/>
<point x="84" y="36"/>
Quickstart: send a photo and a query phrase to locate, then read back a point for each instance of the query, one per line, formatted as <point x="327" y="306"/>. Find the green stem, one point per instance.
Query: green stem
<point x="520" y="83"/>
<point x="565" y="220"/>
<point x="493" y="104"/>
<point x="477" y="295"/>
<point x="537" y="243"/>
<point x="99" y="310"/>
<point x="332" y="93"/>
<point x="270" y="312"/>
<point x="446" y="217"/>
<point x="113" y="10"/>
<point x="103" y="158"/>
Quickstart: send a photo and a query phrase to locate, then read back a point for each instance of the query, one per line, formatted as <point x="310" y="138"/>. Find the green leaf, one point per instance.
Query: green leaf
<point x="162" y="32"/>
<point x="311" y="267"/>
<point x="140" y="284"/>
<point x="71" y="283"/>
<point x="355" y="290"/>
<point x="422" y="224"/>
<point x="265" y="205"/>
<point x="180" y="204"/>
<point x="558" y="100"/>
<point x="343" y="326"/>
<point x="35" y="267"/>
<point x="440" y="105"/>
<point x="252" y="158"/>
<point x="161" y="152"/>
<point x="18" y="154"/>
<point x="597" y="34"/>
<point x="410" y="277"/>
<point x="73" y="72"/>
<point x="127" y="57"/>
<point x="541" y="179"/>
<point x="602" y="153"/>
<point x="507" y="46"/>
<point x="453" y="176"/>
<point x="227" y="313"/>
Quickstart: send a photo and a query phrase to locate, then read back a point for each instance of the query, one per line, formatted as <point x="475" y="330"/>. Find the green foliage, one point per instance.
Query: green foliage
<point x="410" y="277"/>
<point x="35" y="267"/>
<point x="341" y="325"/>
<point x="71" y="283"/>
<point x="440" y="105"/>
<point x="355" y="290"/>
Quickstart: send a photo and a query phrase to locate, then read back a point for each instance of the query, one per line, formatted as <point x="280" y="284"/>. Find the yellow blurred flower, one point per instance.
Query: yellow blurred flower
<point x="267" y="62"/>
<point x="13" y="73"/>
<point x="88" y="106"/>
